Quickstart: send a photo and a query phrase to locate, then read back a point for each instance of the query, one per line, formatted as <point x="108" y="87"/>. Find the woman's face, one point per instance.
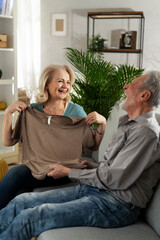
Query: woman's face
<point x="60" y="85"/>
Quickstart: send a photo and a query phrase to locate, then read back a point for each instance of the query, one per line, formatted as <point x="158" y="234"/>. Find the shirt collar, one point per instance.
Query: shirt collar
<point x="61" y="119"/>
<point x="141" y="118"/>
<point x="125" y="119"/>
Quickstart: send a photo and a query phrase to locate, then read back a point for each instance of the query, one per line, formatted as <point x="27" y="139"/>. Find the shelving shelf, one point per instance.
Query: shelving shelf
<point x="129" y="15"/>
<point x="8" y="82"/>
<point x="2" y="112"/>
<point x="6" y="150"/>
<point x="6" y="49"/>
<point x="120" y="50"/>
<point x="121" y="14"/>
<point x="6" y="17"/>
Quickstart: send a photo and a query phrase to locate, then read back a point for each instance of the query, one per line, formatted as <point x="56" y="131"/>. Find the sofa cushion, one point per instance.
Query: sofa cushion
<point x="136" y="231"/>
<point x="152" y="212"/>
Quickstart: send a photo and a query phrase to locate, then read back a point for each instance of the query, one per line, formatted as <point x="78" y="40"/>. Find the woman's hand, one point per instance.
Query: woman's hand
<point x="95" y="117"/>
<point x="16" y="106"/>
<point x="7" y="129"/>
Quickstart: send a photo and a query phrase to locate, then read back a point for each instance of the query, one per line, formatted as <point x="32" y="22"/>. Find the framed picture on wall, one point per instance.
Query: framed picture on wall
<point x="59" y="24"/>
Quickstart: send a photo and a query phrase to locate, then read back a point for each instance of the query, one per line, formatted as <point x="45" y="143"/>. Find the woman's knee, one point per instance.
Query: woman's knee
<point x="17" y="172"/>
<point x="16" y="175"/>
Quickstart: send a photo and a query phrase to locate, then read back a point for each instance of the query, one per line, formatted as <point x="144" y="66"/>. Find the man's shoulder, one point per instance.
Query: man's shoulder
<point x="146" y="125"/>
<point x="150" y="122"/>
<point x="145" y="132"/>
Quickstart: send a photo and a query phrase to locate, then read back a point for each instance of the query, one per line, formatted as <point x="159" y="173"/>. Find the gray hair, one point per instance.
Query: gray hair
<point x="152" y="83"/>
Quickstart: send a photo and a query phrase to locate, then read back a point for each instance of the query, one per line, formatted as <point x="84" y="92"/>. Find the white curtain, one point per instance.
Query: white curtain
<point x="28" y="44"/>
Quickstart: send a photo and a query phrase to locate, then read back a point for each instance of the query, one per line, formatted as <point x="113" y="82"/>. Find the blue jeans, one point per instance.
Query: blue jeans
<point x="30" y="214"/>
<point x="19" y="180"/>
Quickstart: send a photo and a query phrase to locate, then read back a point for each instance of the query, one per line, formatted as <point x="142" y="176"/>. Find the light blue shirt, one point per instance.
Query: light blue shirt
<point x="72" y="109"/>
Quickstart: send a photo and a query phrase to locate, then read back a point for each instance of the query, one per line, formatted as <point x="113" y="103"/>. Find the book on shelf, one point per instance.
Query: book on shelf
<point x="6" y="7"/>
<point x="1" y="4"/>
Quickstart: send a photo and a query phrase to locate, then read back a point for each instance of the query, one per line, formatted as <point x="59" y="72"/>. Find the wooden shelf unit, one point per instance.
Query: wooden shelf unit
<point x="95" y="16"/>
<point x="8" y="82"/>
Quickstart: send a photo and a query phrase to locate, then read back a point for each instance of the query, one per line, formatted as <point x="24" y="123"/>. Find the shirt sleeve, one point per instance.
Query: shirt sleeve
<point x="74" y="110"/>
<point x="138" y="153"/>
<point x="81" y="112"/>
<point x="17" y="132"/>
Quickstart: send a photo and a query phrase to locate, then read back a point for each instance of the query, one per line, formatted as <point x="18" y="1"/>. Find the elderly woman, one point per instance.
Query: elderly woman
<point x="52" y="100"/>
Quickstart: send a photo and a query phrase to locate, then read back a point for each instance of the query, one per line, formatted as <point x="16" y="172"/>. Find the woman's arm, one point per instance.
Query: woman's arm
<point x="95" y="117"/>
<point x="7" y="122"/>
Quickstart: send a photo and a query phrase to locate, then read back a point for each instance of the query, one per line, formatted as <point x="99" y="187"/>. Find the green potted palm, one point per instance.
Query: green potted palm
<point x="98" y="84"/>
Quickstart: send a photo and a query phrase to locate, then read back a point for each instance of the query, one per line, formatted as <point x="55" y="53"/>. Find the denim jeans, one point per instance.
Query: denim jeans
<point x="30" y="214"/>
<point x="19" y="180"/>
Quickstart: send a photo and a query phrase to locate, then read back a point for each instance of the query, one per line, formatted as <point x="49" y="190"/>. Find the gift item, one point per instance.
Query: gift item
<point x="3" y="40"/>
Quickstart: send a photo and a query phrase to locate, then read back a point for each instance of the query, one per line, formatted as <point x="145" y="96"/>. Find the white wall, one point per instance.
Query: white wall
<point x="52" y="48"/>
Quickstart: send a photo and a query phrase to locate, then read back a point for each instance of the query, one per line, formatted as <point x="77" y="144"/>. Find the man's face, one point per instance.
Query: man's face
<point x="132" y="92"/>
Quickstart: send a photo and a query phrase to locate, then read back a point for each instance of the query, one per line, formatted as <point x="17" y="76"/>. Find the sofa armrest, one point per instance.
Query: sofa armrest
<point x="152" y="212"/>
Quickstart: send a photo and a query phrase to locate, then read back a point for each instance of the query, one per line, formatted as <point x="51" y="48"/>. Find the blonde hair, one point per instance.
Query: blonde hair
<point x="46" y="76"/>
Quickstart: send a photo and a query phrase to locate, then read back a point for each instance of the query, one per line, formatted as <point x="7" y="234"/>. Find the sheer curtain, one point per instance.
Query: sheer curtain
<point x="28" y="44"/>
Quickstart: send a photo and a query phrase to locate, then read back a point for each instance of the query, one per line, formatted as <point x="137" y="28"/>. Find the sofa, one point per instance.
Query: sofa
<point x="148" y="225"/>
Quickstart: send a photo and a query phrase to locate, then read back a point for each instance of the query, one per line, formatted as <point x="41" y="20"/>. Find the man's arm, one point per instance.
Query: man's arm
<point x="138" y="153"/>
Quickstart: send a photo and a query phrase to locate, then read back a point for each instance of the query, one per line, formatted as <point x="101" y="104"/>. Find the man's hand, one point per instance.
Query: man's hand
<point x="58" y="171"/>
<point x="88" y="164"/>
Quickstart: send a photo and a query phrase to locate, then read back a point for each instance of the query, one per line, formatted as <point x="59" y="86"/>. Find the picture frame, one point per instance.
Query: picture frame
<point x="59" y="24"/>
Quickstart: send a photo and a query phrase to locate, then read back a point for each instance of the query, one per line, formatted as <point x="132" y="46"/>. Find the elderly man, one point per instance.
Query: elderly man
<point x="110" y="195"/>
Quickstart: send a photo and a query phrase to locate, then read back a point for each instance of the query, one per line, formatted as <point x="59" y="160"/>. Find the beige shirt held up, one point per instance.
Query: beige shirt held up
<point x="51" y="139"/>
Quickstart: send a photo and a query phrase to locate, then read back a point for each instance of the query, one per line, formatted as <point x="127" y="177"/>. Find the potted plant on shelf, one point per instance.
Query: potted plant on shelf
<point x="96" y="44"/>
<point x="98" y="84"/>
